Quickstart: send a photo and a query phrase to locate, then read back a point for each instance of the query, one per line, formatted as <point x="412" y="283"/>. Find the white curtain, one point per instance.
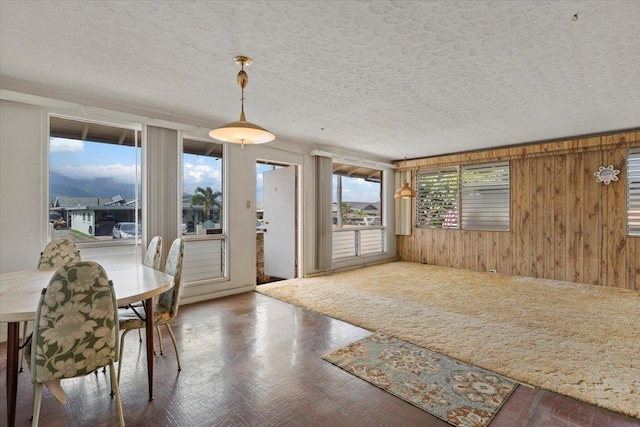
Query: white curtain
<point x="324" y="224"/>
<point x="403" y="206"/>
<point x="160" y="167"/>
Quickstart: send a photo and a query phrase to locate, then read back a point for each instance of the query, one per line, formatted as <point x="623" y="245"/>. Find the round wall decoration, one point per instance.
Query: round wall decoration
<point x="607" y="174"/>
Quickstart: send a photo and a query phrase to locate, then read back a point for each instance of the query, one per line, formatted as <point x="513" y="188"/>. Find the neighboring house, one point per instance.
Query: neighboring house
<point x="369" y="209"/>
<point x="98" y="216"/>
<point x="360" y="210"/>
<point x="192" y="216"/>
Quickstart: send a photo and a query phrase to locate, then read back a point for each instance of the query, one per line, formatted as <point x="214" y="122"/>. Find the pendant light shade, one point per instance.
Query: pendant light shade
<point x="242" y="131"/>
<point x="405" y="192"/>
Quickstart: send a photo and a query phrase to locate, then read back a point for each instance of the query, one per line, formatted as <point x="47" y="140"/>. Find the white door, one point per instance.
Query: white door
<point x="279" y="205"/>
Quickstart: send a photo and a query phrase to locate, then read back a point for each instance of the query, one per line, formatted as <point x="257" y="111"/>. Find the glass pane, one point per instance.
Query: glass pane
<point x="201" y="188"/>
<point x="94" y="188"/>
<point x="437" y="198"/>
<point x="359" y="200"/>
<point x="633" y="193"/>
<point x="484" y="193"/>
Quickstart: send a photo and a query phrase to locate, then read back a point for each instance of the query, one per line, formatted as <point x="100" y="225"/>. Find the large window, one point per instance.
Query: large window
<point x="201" y="187"/>
<point x="202" y="213"/>
<point x="94" y="187"/>
<point x="471" y="197"/>
<point x="357" y="211"/>
<point x="633" y="202"/>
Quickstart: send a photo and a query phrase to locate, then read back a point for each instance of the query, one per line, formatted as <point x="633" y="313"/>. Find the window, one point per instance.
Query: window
<point x="356" y="196"/>
<point x="471" y="197"/>
<point x="201" y="187"/>
<point x="202" y="213"/>
<point x="484" y="195"/>
<point x="94" y="184"/>
<point x="357" y="211"/>
<point x="437" y="198"/>
<point x="633" y="202"/>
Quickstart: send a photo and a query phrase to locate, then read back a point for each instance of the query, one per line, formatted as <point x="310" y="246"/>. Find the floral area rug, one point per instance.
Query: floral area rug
<point x="458" y="393"/>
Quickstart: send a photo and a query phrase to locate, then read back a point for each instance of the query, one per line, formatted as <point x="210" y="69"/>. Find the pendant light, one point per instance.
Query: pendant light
<point x="242" y="131"/>
<point x="405" y="191"/>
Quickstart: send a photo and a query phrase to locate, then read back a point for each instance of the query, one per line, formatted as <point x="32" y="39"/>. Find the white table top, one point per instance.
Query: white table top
<point x="20" y="290"/>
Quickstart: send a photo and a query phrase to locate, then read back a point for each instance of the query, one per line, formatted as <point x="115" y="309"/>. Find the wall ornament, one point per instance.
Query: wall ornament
<point x="607" y="174"/>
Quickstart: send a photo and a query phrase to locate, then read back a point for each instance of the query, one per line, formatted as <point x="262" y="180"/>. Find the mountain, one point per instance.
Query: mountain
<point x="61" y="185"/>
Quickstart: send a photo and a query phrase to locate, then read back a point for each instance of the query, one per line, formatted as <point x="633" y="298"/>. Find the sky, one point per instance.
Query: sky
<point x="87" y="160"/>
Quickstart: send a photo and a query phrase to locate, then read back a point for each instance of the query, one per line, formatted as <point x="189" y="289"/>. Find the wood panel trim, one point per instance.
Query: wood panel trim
<point x="625" y="139"/>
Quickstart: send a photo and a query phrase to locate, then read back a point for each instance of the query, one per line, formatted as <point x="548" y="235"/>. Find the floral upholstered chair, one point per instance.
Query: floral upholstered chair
<point x="154" y="253"/>
<point x="166" y="307"/>
<point x="75" y="331"/>
<point x="152" y="258"/>
<point x="57" y="253"/>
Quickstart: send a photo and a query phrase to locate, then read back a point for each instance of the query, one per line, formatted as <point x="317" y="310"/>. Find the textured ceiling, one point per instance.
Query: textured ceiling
<point x="390" y="78"/>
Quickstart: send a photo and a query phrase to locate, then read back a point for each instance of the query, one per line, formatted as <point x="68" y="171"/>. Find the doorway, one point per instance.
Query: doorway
<point x="276" y="224"/>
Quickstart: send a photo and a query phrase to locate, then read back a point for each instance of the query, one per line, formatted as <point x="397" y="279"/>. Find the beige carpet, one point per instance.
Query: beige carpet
<point x="578" y="340"/>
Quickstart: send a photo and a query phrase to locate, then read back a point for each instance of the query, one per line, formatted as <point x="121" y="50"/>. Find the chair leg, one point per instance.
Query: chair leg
<point x="159" y="338"/>
<point x="115" y="389"/>
<point x="120" y="355"/>
<point x="139" y="335"/>
<point x="175" y="345"/>
<point x="25" y="324"/>
<point x="37" y="400"/>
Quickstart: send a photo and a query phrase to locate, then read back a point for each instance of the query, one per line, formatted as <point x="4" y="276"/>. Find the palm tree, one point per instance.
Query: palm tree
<point x="346" y="211"/>
<point x="207" y="198"/>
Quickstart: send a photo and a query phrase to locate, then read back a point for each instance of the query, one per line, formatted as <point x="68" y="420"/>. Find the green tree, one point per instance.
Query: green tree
<point x="207" y="198"/>
<point x="346" y="211"/>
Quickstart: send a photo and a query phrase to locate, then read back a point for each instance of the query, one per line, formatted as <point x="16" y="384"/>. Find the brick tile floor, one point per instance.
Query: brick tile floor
<point x="250" y="360"/>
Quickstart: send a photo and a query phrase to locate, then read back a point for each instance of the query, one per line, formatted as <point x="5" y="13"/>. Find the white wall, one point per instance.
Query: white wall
<point x="23" y="214"/>
<point x="23" y="207"/>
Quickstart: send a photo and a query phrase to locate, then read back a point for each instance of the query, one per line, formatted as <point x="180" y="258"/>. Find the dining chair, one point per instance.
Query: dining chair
<point x="164" y="310"/>
<point x="56" y="253"/>
<point x="75" y="331"/>
<point x="154" y="253"/>
<point x="152" y="258"/>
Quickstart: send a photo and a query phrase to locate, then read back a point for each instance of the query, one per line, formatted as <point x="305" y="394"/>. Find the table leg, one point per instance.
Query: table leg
<point x="148" y="307"/>
<point x="13" y="341"/>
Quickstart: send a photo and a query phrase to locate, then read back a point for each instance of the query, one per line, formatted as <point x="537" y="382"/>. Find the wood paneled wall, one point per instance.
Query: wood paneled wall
<point x="564" y="225"/>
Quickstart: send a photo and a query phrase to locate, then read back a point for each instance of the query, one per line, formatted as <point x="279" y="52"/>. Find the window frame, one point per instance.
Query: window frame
<point x="440" y="176"/>
<point x="441" y="217"/>
<point x="483" y="194"/>
<point x="633" y="191"/>
<point x="97" y="250"/>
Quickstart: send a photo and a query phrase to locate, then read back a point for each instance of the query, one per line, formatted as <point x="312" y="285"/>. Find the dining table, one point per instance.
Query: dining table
<point x="20" y="293"/>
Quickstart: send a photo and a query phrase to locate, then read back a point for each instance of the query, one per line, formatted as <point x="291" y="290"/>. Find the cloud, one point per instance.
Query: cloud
<point x="201" y="174"/>
<point x="119" y="173"/>
<point x="61" y="145"/>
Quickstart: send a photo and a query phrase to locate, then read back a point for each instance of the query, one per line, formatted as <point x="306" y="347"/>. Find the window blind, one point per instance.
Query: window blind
<point x="437" y="198"/>
<point x="484" y="194"/>
<point x="633" y="195"/>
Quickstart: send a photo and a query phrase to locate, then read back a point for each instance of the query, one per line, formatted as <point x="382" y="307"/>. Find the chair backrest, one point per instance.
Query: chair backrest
<point x="170" y="299"/>
<point x="76" y="327"/>
<point x="57" y="253"/>
<point x="154" y="253"/>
